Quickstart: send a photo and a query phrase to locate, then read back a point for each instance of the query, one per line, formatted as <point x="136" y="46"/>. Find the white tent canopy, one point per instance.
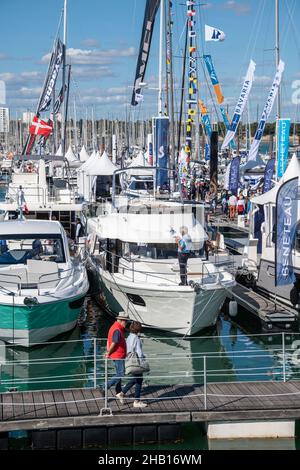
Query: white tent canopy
<point x="292" y="171"/>
<point x="59" y="152"/>
<point x="102" y="166"/>
<point x="84" y="156"/>
<point x="71" y="157"/>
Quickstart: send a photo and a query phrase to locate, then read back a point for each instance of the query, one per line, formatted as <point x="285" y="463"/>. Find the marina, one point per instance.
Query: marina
<point x="149" y="228"/>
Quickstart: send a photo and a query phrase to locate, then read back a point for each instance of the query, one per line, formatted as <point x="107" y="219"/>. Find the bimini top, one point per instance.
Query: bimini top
<point x="147" y="228"/>
<point x="27" y="227"/>
<point x="292" y="171"/>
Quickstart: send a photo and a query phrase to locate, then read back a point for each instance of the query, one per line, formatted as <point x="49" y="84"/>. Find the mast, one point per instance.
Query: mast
<point x="171" y="84"/>
<point x="160" y="67"/>
<point x="64" y="119"/>
<point x="277" y="50"/>
<point x="192" y="74"/>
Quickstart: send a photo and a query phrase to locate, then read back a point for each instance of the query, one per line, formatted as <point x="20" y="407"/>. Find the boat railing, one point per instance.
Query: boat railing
<point x="209" y="273"/>
<point x="83" y="363"/>
<point x="31" y="194"/>
<point x="49" y="279"/>
<point x="10" y="283"/>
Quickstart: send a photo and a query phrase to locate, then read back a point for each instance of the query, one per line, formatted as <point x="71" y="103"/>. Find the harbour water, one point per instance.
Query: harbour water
<point x="68" y="362"/>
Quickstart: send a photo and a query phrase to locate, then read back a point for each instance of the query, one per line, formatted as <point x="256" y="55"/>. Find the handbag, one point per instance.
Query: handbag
<point x="135" y="365"/>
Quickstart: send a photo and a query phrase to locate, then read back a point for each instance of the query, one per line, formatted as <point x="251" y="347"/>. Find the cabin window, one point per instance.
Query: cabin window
<point x="17" y="249"/>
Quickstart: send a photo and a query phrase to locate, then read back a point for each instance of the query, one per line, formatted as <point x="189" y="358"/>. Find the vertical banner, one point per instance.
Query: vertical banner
<point x="234" y="175"/>
<point x="269" y="172"/>
<point x="214" y="161"/>
<point x="161" y="156"/>
<point x="266" y="113"/>
<point x="192" y="76"/>
<point x="286" y="224"/>
<point x="205" y="118"/>
<point x="240" y="105"/>
<point x="213" y="77"/>
<point x="147" y="31"/>
<point x="283" y="140"/>
<point x="150" y="149"/>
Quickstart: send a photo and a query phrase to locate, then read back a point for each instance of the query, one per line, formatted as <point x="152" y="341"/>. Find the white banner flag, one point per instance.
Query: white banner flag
<point x="266" y="113"/>
<point x="240" y="104"/>
<point x="213" y="34"/>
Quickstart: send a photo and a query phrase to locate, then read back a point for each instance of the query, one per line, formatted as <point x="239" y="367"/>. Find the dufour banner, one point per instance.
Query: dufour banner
<point x="52" y="74"/>
<point x="213" y="77"/>
<point x="286" y="224"/>
<point x="240" y="104"/>
<point x="161" y="130"/>
<point x="269" y="172"/>
<point x="234" y="175"/>
<point x="266" y="113"/>
<point x="283" y="140"/>
<point x="147" y="31"/>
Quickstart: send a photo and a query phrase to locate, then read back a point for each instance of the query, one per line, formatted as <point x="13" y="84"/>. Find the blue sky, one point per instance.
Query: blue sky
<point x="103" y="38"/>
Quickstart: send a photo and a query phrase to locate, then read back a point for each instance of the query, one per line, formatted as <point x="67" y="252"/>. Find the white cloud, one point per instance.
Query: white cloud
<point x="90" y="73"/>
<point x="238" y="7"/>
<point x="90" y="42"/>
<point x="94" y="57"/>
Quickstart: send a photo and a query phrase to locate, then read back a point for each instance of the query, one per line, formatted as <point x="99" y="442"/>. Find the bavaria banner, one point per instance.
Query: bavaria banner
<point x="286" y="224"/>
<point x="240" y="104"/>
<point x="147" y="31"/>
<point x="283" y="140"/>
<point x="234" y="175"/>
<point x="269" y="172"/>
<point x="52" y="74"/>
<point x="161" y="157"/>
<point x="266" y="113"/>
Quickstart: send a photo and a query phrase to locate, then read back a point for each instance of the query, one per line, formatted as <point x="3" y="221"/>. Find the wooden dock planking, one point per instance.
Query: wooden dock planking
<point x="189" y="404"/>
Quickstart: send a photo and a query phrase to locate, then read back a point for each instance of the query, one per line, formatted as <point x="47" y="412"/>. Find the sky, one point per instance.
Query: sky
<point x="103" y="43"/>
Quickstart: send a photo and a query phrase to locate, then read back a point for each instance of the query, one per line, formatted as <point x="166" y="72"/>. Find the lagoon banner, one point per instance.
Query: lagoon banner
<point x="269" y="172"/>
<point x="161" y="149"/>
<point x="285" y="228"/>
<point x="283" y="131"/>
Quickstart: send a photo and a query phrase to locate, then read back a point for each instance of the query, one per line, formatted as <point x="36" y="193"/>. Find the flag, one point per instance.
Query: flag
<point x="192" y="34"/>
<point x="283" y="139"/>
<point x="264" y="117"/>
<point x="192" y="49"/>
<point x="285" y="228"/>
<point x="145" y="44"/>
<point x="269" y="172"/>
<point x="213" y="34"/>
<point x="52" y="74"/>
<point x="161" y="151"/>
<point x="59" y="100"/>
<point x="240" y="105"/>
<point x="234" y="176"/>
<point x="191" y="13"/>
<point x="39" y="127"/>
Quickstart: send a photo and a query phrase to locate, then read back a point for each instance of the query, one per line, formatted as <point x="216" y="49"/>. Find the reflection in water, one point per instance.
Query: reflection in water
<point x="230" y="353"/>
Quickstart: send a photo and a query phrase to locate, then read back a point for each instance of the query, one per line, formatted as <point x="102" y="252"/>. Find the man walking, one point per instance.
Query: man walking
<point x="116" y="350"/>
<point x="184" y="250"/>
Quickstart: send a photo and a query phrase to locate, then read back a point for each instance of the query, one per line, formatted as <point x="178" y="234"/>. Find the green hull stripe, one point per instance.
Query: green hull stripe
<point x="38" y="316"/>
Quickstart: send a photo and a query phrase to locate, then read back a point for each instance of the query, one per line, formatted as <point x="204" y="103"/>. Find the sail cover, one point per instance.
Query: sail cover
<point x="149" y="19"/>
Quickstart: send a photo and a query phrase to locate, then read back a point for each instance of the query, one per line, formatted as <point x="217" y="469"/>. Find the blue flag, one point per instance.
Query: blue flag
<point x="234" y="176"/>
<point x="286" y="224"/>
<point x="269" y="172"/>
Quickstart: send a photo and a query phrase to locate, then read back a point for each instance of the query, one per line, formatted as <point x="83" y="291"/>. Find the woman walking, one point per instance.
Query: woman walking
<point x="134" y="343"/>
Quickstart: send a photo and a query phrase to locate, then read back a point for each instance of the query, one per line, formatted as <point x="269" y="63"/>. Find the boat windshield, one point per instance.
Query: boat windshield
<point x="157" y="251"/>
<point x="17" y="249"/>
<point x="141" y="185"/>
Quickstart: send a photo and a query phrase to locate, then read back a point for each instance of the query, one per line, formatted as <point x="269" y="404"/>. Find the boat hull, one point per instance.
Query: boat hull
<point x="178" y="310"/>
<point x="24" y="325"/>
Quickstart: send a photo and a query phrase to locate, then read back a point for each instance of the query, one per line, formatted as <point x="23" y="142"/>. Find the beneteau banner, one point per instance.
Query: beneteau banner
<point x="286" y="224"/>
<point x="266" y="113"/>
<point x="53" y="70"/>
<point x="283" y="130"/>
<point x="213" y="77"/>
<point x="240" y="105"/>
<point x="161" y="129"/>
<point x="149" y="19"/>
<point x="269" y="172"/>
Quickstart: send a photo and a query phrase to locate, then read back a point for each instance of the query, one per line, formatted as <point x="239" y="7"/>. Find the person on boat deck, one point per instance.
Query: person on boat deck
<point x="79" y="230"/>
<point x="116" y="350"/>
<point x="184" y="250"/>
<point x="21" y="200"/>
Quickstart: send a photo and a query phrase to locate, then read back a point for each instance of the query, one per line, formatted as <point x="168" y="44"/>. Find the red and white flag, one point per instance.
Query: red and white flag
<point x="191" y="13"/>
<point x="39" y="127"/>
